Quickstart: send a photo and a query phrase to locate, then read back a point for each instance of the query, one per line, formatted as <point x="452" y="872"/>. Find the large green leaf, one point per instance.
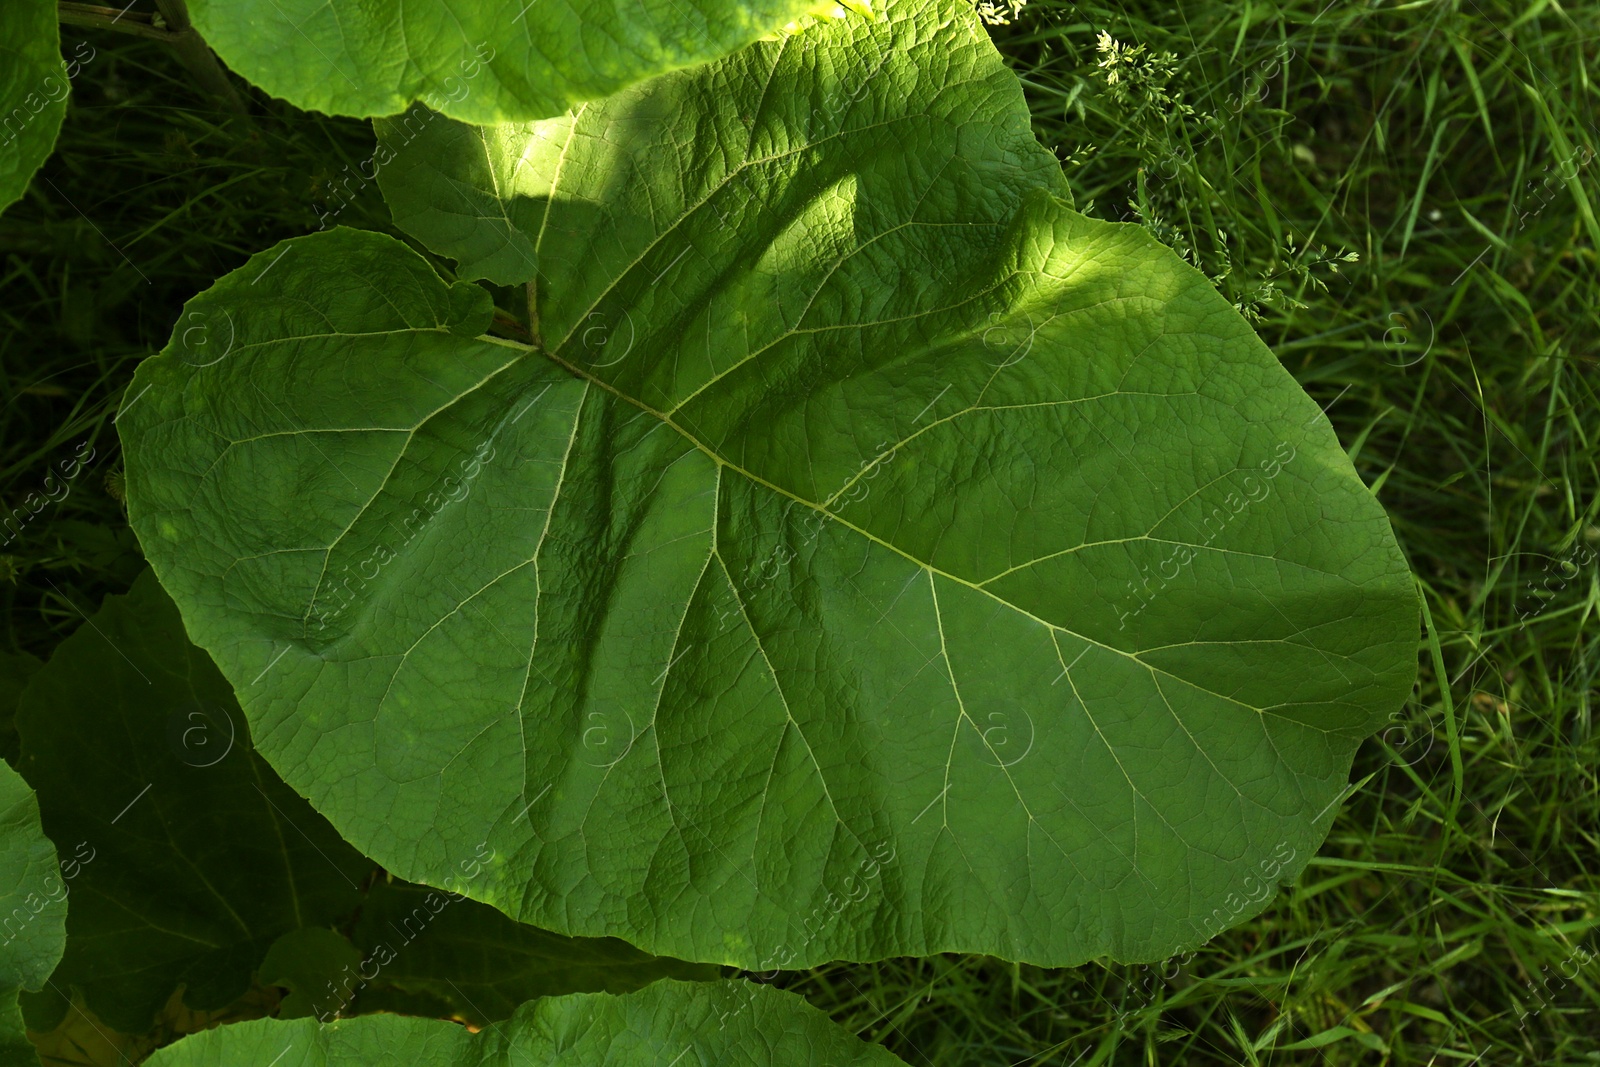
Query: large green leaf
<point x="477" y="60"/>
<point x="920" y="565"/>
<point x="189" y="859"/>
<point x="738" y="1024"/>
<point x="33" y="91"/>
<point x="33" y="911"/>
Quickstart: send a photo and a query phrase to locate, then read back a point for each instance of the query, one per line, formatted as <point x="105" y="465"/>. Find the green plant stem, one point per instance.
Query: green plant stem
<point x="194" y="53"/>
<point x="178" y="33"/>
<point x="98" y="17"/>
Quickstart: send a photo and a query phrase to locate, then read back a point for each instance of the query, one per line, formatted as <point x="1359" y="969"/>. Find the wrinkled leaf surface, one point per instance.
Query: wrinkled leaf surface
<point x="874" y="557"/>
<point x="478" y="60"/>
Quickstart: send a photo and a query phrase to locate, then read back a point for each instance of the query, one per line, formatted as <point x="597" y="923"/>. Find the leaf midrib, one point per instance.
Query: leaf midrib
<point x="582" y="375"/>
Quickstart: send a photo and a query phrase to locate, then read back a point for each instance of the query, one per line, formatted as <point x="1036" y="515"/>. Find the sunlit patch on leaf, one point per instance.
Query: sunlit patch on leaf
<point x="932" y="568"/>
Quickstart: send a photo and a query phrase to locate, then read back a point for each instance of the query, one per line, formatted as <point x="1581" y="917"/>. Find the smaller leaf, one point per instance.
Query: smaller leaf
<point x="730" y="1024"/>
<point x="308" y="962"/>
<point x="33" y="909"/>
<point x="33" y="92"/>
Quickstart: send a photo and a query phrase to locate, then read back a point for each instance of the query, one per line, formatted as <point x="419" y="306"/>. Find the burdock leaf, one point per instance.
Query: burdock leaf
<point x="33" y="911"/>
<point x="34" y="83"/>
<point x="737" y="1024"/>
<point x="919" y="565"/>
<point x="477" y="60"/>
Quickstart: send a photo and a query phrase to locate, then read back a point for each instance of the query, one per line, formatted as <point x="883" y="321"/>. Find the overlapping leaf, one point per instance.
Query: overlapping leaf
<point x="468" y="961"/>
<point x="191" y="856"/>
<point x="188" y="859"/>
<point x="874" y="556"/>
<point x="477" y="60"/>
<point x="737" y="1024"/>
<point x="33" y="911"/>
<point x="33" y="92"/>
